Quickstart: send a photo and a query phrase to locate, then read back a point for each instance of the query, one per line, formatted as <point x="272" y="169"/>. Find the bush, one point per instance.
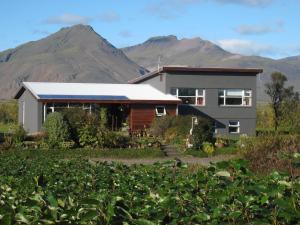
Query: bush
<point x="173" y="129"/>
<point x="88" y="133"/>
<point x="202" y="132"/>
<point x="56" y="128"/>
<point x="9" y="112"/>
<point x="160" y="125"/>
<point x="269" y="152"/>
<point x="208" y="148"/>
<point x="19" y="135"/>
<point x="75" y="118"/>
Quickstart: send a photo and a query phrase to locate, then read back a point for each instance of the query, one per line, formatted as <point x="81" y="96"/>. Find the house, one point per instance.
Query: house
<point x="225" y="95"/>
<point x="136" y="104"/>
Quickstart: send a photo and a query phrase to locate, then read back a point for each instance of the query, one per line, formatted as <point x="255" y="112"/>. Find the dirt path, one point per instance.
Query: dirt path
<point x="185" y="159"/>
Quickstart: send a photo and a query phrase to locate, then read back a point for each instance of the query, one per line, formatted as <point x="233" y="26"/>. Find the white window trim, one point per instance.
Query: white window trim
<point x="160" y="114"/>
<point x="238" y="126"/>
<point x="243" y="98"/>
<point x="23" y="112"/>
<point x="196" y="96"/>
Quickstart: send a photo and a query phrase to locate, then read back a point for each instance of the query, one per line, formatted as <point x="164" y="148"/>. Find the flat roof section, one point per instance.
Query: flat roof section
<point x="185" y="69"/>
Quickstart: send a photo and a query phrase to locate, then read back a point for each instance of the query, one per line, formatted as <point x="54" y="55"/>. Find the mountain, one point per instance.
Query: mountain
<point x="169" y="50"/>
<point x="74" y="54"/>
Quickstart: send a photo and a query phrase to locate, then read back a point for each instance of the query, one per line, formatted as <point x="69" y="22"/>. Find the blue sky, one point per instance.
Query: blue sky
<point x="252" y="27"/>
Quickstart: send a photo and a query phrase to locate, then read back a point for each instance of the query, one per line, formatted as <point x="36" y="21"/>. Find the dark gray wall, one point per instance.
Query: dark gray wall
<point x="33" y="112"/>
<point x="157" y="82"/>
<point x="212" y="83"/>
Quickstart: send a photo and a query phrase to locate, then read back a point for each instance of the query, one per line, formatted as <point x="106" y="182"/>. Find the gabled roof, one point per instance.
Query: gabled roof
<point x="195" y="70"/>
<point x="94" y="92"/>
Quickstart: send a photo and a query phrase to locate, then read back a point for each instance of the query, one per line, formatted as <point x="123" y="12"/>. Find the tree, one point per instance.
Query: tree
<point x="280" y="95"/>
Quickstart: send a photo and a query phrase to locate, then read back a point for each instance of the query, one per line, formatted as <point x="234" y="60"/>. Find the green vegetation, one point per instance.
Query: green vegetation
<point x="47" y="190"/>
<point x="272" y="152"/>
<point x="228" y="150"/>
<point x="7" y="127"/>
<point x="284" y="103"/>
<point x="57" y="129"/>
<point x="8" y="112"/>
<point x="129" y="153"/>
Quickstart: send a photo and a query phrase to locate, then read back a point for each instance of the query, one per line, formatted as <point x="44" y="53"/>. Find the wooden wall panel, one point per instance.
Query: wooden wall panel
<point x="142" y="115"/>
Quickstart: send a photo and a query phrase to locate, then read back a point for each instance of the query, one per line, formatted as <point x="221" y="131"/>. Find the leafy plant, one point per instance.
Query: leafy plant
<point x="56" y="128"/>
<point x="208" y="148"/>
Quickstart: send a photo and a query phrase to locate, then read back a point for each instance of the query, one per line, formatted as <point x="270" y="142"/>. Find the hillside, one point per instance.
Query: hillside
<point x="74" y="54"/>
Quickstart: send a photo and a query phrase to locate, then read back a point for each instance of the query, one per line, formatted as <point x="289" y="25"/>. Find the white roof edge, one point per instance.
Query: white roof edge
<point x="139" y="92"/>
<point x="27" y="86"/>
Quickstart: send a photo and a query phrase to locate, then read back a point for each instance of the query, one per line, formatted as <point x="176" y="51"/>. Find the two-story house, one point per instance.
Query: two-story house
<point x="225" y="95"/>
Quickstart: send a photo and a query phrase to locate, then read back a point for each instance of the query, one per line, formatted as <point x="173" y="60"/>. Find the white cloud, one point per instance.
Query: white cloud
<point x="109" y="17"/>
<point x="246" y="47"/>
<point x="168" y="9"/>
<point x="125" y="34"/>
<point x="255" y="3"/>
<point x="68" y="19"/>
<point x="246" y="29"/>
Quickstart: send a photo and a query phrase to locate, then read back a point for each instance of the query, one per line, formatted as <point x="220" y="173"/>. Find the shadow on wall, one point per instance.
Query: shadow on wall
<point x="186" y="110"/>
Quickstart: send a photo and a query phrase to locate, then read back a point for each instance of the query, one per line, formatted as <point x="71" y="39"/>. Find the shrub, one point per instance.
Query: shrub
<point x="75" y="118"/>
<point x="160" y="125"/>
<point x="9" y="112"/>
<point x="268" y="152"/>
<point x="202" y="132"/>
<point x="88" y="133"/>
<point x="19" y="135"/>
<point x="56" y="128"/>
<point x="208" y="148"/>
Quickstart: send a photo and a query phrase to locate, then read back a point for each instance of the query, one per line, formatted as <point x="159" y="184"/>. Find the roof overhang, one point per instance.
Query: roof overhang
<point x="196" y="70"/>
<point x="127" y="102"/>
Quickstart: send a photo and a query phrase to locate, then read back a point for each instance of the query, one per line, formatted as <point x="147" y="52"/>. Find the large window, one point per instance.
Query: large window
<point x="234" y="127"/>
<point x="192" y="96"/>
<point x="235" y="97"/>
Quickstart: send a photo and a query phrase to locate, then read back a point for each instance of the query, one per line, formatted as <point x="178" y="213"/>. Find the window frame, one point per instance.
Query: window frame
<point x="238" y="126"/>
<point x="246" y="94"/>
<point x="160" y="114"/>
<point x="196" y="96"/>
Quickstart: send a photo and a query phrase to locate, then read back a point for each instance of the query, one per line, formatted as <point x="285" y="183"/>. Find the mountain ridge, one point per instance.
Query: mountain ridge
<point x="73" y="54"/>
<point x="202" y="53"/>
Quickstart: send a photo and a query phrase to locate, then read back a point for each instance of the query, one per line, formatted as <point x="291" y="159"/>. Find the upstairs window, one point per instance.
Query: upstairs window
<point x="235" y="97"/>
<point x="160" y="111"/>
<point x="191" y="96"/>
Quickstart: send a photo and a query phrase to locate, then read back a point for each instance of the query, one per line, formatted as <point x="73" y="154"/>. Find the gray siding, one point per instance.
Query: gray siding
<point x="157" y="82"/>
<point x="212" y="83"/>
<point x="33" y="112"/>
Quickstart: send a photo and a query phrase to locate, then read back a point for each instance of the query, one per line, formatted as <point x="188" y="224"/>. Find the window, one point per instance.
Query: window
<point x="215" y="127"/>
<point x="160" y="111"/>
<point x="191" y="96"/>
<point x="235" y="97"/>
<point x="234" y="127"/>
